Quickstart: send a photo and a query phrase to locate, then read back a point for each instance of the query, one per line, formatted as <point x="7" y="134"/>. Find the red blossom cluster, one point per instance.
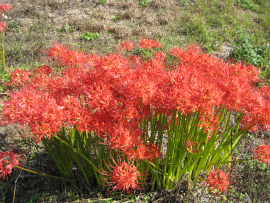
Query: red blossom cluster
<point x="262" y="153"/>
<point x="3" y="9"/>
<point x="124" y="176"/>
<point x="112" y="94"/>
<point x="20" y="77"/>
<point x="127" y="46"/>
<point x="148" y="44"/>
<point x="218" y="182"/>
<point x="190" y="148"/>
<point x="8" y="161"/>
<point x="3" y="26"/>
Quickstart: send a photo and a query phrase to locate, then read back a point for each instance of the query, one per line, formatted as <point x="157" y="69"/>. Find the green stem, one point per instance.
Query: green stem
<point x="94" y="166"/>
<point x="44" y="174"/>
<point x="3" y="50"/>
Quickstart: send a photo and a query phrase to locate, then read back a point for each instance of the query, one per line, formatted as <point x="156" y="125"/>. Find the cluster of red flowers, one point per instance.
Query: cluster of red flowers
<point x="8" y="161"/>
<point x="20" y="77"/>
<point x="3" y="9"/>
<point x="218" y="182"/>
<point x="127" y="46"/>
<point x="3" y="26"/>
<point x="112" y="94"/>
<point x="124" y="176"/>
<point x="262" y="153"/>
<point x="148" y="44"/>
<point x="190" y="148"/>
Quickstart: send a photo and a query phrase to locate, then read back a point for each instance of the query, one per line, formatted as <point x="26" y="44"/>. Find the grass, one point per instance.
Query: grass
<point x="225" y="28"/>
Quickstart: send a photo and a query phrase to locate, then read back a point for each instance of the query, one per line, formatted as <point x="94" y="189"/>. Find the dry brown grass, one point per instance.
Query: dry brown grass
<point x="162" y="3"/>
<point x="150" y="19"/>
<point x="122" y="5"/>
<point x="102" y="14"/>
<point x="130" y="14"/>
<point x="139" y="31"/>
<point x="156" y="33"/>
<point x="96" y="26"/>
<point x="121" y="31"/>
<point x="165" y="18"/>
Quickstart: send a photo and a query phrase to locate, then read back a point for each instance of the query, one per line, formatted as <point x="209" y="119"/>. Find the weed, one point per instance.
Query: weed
<point x="245" y="49"/>
<point x="102" y="1"/>
<point x="247" y="4"/>
<point x="4" y="77"/>
<point x="144" y="3"/>
<point x="68" y="28"/>
<point x="117" y="17"/>
<point x="88" y="36"/>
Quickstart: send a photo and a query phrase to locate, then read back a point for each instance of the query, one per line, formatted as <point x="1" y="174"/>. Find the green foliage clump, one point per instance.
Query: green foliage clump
<point x="144" y="3"/>
<point x="4" y="77"/>
<point x="90" y="36"/>
<point x="245" y="50"/>
<point x="248" y="5"/>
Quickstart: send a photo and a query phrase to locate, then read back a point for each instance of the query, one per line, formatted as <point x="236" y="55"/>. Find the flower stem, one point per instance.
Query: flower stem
<point x="3" y="50"/>
<point x="44" y="174"/>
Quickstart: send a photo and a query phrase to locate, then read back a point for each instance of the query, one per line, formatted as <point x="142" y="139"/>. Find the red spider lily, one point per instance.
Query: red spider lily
<point x="148" y="44"/>
<point x="44" y="70"/>
<point x="262" y="153"/>
<point x="3" y="26"/>
<point x="111" y="95"/>
<point x="5" y="171"/>
<point x="218" y="182"/>
<point x="160" y="55"/>
<point x="122" y="176"/>
<point x="36" y="109"/>
<point x="189" y="147"/>
<point x="5" y="8"/>
<point x="65" y="56"/>
<point x="20" y="77"/>
<point x="8" y="161"/>
<point x="127" y="46"/>
<point x="146" y="152"/>
<point x="111" y="86"/>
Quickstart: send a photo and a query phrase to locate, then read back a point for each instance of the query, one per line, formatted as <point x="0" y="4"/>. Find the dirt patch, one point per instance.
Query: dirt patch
<point x="10" y="136"/>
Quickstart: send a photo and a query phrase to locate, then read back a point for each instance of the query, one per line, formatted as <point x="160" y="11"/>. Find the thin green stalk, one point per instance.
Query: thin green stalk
<point x="93" y="165"/>
<point x="44" y="174"/>
<point x="3" y="51"/>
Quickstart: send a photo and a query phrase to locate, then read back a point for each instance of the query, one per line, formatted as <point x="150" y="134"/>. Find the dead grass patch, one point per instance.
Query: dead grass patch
<point x="131" y="13"/>
<point x="102" y="14"/>
<point x="96" y="26"/>
<point x="165" y="18"/>
<point x="156" y="33"/>
<point x="121" y="31"/>
<point x="122" y="5"/>
<point x="162" y="3"/>
<point x="150" y="19"/>
<point x="139" y="31"/>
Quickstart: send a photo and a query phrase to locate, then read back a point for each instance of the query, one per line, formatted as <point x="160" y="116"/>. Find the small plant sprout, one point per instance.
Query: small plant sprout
<point x="218" y="182"/>
<point x="88" y="36"/>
